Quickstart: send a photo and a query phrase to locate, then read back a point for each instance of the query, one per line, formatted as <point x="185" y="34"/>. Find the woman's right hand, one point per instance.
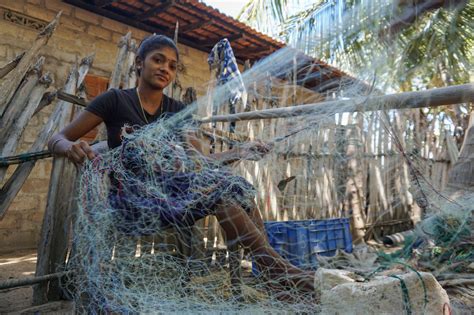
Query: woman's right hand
<point x="80" y="151"/>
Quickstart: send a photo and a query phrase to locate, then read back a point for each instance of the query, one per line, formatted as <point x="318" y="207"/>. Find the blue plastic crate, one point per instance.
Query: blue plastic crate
<point x="301" y="241"/>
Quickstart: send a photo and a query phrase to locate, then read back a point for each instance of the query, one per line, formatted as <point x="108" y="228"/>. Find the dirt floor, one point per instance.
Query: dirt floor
<point x="16" y="265"/>
<point x="22" y="264"/>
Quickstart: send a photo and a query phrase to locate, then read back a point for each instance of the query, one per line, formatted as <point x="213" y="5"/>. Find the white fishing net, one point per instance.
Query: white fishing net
<point x="382" y="169"/>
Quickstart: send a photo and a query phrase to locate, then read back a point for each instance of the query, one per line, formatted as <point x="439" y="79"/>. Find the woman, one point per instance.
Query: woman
<point x="124" y="110"/>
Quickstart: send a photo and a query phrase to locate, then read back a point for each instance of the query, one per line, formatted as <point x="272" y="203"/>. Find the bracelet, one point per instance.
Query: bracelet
<point x="53" y="145"/>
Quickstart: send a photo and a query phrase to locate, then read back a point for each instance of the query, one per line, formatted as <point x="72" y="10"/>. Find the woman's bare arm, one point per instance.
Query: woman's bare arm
<point x="64" y="143"/>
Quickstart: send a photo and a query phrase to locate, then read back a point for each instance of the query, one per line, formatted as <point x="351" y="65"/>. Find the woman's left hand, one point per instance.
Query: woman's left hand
<point x="254" y="150"/>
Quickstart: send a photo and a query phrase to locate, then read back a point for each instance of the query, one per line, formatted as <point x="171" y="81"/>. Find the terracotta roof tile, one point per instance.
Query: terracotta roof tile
<point x="203" y="26"/>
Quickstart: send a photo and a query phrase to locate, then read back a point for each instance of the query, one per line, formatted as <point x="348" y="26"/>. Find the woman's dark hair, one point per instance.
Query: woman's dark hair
<point x="153" y="42"/>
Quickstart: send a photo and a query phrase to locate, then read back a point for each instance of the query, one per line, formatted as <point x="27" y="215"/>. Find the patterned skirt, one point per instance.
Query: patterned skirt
<point x="176" y="199"/>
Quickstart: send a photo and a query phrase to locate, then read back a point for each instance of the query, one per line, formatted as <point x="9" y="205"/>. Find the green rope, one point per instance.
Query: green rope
<point x="406" y="296"/>
<point x="425" y="302"/>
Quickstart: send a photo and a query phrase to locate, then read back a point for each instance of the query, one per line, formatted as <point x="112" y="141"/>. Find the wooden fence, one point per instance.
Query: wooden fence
<point x="357" y="165"/>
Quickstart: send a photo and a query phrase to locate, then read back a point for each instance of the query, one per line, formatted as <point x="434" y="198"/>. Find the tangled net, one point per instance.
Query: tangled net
<point x="136" y="192"/>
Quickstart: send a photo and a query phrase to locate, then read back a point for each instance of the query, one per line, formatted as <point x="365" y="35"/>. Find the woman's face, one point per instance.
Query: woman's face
<point x="159" y="67"/>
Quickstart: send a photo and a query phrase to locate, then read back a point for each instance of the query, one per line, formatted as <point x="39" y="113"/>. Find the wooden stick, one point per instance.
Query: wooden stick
<point x="19" y="101"/>
<point x="13" y="135"/>
<point x="130" y="80"/>
<point x="13" y="79"/>
<point x="11" y="188"/>
<point x="16" y="109"/>
<point x="457" y="282"/>
<point x="428" y="98"/>
<point x="14" y="283"/>
<point x="73" y="99"/>
<point x="16" y="181"/>
<point x="116" y="77"/>
<point x="4" y="70"/>
<point x="232" y="137"/>
<point x="47" y="99"/>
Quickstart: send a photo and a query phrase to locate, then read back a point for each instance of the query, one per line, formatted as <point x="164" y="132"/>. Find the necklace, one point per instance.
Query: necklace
<point x="141" y="106"/>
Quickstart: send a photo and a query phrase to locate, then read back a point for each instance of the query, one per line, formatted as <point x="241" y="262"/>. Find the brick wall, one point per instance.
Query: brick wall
<point x="79" y="34"/>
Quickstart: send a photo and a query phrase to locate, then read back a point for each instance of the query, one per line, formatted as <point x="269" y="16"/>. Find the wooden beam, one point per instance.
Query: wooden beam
<point x="194" y="26"/>
<point x="155" y="11"/>
<point x="429" y="98"/>
<point x="257" y="50"/>
<point x="132" y="22"/>
<point x="230" y="38"/>
<point x="220" y="20"/>
<point x="103" y="3"/>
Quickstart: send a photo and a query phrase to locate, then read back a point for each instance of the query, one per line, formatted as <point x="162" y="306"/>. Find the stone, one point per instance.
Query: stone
<point x="326" y="279"/>
<point x="384" y="295"/>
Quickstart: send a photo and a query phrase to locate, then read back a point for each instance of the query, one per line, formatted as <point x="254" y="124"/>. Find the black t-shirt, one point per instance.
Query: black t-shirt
<point x="121" y="107"/>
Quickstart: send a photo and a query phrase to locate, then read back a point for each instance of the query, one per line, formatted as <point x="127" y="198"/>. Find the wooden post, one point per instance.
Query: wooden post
<point x="130" y="80"/>
<point x="116" y="75"/>
<point x="21" y="109"/>
<point x="121" y="60"/>
<point x="4" y="70"/>
<point x="11" y="188"/>
<point x="56" y="225"/>
<point x="354" y="198"/>
<point x="14" y="77"/>
<point x="20" y="100"/>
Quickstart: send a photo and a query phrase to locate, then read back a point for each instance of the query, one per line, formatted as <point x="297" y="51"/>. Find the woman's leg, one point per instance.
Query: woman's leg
<point x="239" y="227"/>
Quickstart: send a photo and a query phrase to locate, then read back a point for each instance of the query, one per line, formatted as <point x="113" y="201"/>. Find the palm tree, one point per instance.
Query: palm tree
<point x="421" y="43"/>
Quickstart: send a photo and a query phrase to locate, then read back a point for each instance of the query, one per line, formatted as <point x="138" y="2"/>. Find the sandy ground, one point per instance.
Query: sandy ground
<point x="22" y="264"/>
<point x="16" y="265"/>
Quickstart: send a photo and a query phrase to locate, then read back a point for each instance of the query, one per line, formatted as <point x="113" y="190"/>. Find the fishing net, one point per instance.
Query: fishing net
<point x="348" y="157"/>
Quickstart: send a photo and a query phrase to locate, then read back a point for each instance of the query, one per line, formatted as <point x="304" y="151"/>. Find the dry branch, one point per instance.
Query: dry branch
<point x="429" y="98"/>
